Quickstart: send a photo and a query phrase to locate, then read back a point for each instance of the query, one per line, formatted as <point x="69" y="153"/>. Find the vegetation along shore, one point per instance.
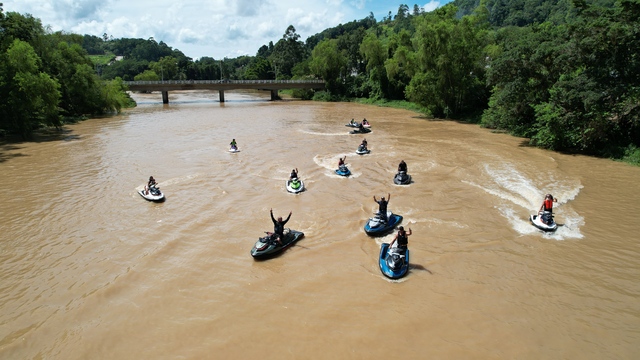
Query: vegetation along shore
<point x="565" y="74"/>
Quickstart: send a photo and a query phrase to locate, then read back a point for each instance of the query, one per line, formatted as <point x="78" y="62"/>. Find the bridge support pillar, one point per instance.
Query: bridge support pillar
<point x="165" y="97"/>
<point x="274" y="95"/>
<point x="221" y="95"/>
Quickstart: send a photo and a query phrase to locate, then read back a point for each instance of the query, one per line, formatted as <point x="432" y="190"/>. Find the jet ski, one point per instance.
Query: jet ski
<point x="295" y="185"/>
<point x="362" y="150"/>
<point x="360" y="131"/>
<point x="402" y="178"/>
<point x="154" y="194"/>
<point x="234" y="149"/>
<point x="353" y="125"/>
<point x="343" y="170"/>
<point x="394" y="262"/>
<point x="544" y="222"/>
<point x="267" y="246"/>
<point x="377" y="226"/>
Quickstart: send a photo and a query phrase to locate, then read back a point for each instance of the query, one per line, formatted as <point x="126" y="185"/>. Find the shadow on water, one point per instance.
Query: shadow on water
<point x="4" y="148"/>
<point x="12" y="143"/>
<point x="419" y="267"/>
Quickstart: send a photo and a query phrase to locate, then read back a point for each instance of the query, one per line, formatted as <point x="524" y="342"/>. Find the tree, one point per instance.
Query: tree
<point x="329" y="63"/>
<point x="287" y="52"/>
<point x="449" y="54"/>
<point x="30" y="97"/>
<point x="166" y="67"/>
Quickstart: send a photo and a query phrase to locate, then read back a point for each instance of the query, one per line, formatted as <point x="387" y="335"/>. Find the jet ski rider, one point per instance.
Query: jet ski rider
<point x="294" y="174"/>
<point x="233" y="144"/>
<point x="341" y="161"/>
<point x="152" y="182"/>
<point x="382" y="206"/>
<point x="278" y="226"/>
<point x="547" y="206"/>
<point x="402" y="166"/>
<point x="364" y="143"/>
<point x="402" y="237"/>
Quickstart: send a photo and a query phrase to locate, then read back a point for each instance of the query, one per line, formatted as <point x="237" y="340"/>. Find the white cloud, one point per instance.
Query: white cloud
<point x="432" y="5"/>
<point x="215" y="28"/>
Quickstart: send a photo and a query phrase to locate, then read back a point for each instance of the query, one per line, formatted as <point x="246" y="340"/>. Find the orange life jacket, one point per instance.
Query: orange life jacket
<point x="548" y="204"/>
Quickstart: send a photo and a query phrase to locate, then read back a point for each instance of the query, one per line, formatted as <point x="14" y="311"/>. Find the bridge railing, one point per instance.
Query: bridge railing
<point x="180" y="82"/>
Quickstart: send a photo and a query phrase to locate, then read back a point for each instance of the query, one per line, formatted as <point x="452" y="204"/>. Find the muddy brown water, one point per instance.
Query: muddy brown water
<point x="90" y="270"/>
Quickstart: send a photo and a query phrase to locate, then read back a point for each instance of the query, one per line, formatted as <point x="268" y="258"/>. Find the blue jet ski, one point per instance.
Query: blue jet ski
<point x="377" y="226"/>
<point x="394" y="262"/>
<point x="343" y="170"/>
<point x="267" y="246"/>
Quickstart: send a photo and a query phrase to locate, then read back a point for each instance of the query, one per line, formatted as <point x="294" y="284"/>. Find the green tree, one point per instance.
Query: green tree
<point x="30" y="97"/>
<point x="374" y="55"/>
<point x="147" y="75"/>
<point x="287" y="52"/>
<point x="329" y="63"/>
<point x="166" y="67"/>
<point x="450" y="61"/>
<point x="259" y="69"/>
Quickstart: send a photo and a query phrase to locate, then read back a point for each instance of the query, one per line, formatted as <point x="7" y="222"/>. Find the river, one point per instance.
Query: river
<point x="90" y="270"/>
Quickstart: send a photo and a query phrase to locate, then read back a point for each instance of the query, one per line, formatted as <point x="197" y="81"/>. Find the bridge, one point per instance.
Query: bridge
<point x="221" y="85"/>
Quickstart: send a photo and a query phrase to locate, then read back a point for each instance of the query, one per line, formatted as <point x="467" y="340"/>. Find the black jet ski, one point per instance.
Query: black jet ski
<point x="362" y="150"/>
<point x="267" y="246"/>
<point x="154" y="194"/>
<point x="394" y="262"/>
<point x="402" y="178"/>
<point x="360" y="131"/>
<point x="544" y="221"/>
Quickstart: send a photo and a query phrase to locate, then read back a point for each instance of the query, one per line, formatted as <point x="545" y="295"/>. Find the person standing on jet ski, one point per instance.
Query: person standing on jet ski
<point x="294" y="174"/>
<point x="233" y="144"/>
<point x="341" y="161"/>
<point x="547" y="206"/>
<point x="402" y="237"/>
<point x="382" y="206"/>
<point x="402" y="166"/>
<point x="364" y="144"/>
<point x="278" y="226"/>
<point x="353" y="122"/>
<point x="365" y="122"/>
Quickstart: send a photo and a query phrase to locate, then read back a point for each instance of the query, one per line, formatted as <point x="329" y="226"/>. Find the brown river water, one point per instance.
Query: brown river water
<point x="91" y="270"/>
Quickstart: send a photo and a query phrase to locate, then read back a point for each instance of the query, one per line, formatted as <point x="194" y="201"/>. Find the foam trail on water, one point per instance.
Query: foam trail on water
<point x="517" y="190"/>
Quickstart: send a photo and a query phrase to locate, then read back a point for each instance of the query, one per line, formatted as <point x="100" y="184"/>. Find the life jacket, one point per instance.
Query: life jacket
<point x="548" y="204"/>
<point x="403" y="240"/>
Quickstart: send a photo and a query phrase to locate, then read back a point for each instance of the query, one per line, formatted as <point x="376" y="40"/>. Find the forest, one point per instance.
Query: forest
<point x="564" y="74"/>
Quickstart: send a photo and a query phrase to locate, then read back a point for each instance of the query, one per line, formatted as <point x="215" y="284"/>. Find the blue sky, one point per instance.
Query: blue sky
<point x="215" y="28"/>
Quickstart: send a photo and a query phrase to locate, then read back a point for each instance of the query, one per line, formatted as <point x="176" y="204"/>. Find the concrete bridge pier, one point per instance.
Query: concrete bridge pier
<point x="165" y="97"/>
<point x="221" y="95"/>
<point x="274" y="95"/>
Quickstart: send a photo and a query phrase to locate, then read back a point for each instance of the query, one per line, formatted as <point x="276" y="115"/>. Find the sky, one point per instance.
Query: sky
<point x="214" y="28"/>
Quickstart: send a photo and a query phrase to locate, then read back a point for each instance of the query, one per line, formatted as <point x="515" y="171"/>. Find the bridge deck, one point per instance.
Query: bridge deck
<point x="169" y="85"/>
